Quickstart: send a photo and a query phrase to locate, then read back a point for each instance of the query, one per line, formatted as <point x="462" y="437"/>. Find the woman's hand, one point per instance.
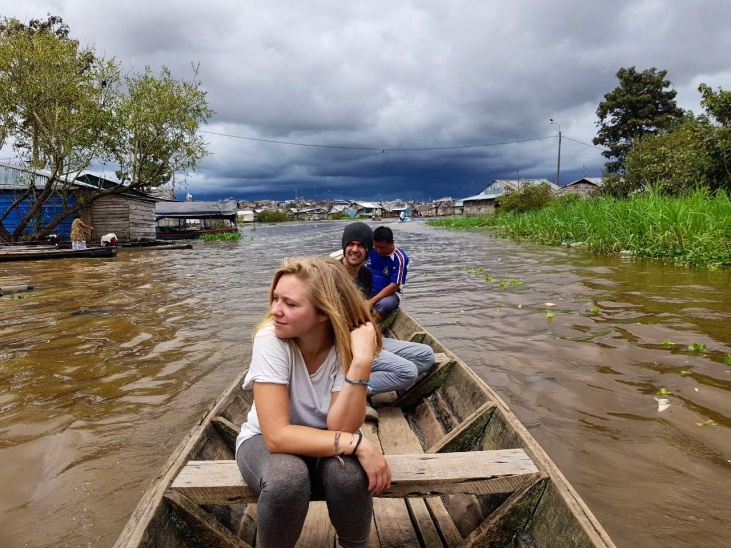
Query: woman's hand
<point x="363" y="343"/>
<point x="375" y="466"/>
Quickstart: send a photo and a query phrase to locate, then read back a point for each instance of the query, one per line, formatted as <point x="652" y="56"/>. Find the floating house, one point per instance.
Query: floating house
<point x="130" y="214"/>
<point x="191" y="220"/>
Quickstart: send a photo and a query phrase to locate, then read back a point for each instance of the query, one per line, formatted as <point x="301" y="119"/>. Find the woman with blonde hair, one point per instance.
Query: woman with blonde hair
<point x="310" y="371"/>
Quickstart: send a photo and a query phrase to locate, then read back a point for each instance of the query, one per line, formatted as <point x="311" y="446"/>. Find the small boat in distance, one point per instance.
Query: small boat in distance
<point x="191" y="220"/>
<point x="40" y="252"/>
<point x="465" y="472"/>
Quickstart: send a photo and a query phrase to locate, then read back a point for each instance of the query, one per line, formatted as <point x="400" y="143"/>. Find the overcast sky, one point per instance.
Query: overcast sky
<point x="356" y="81"/>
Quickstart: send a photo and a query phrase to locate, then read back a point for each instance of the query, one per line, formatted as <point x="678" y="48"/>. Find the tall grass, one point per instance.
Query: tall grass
<point x="693" y="230"/>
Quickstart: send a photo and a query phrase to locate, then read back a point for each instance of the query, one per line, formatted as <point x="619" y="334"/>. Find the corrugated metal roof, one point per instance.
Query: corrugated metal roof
<point x="598" y="181"/>
<point x="195" y="210"/>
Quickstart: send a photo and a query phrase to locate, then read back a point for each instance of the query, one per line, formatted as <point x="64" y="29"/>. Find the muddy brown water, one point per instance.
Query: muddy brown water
<point x="107" y="364"/>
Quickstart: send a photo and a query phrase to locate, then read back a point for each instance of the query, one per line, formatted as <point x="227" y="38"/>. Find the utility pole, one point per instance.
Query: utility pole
<point x="558" y="163"/>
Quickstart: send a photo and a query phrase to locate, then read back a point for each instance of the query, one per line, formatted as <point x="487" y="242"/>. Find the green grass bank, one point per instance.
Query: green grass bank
<point x="692" y="230"/>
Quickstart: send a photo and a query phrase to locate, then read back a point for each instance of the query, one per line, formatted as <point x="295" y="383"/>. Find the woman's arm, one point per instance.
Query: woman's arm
<point x="347" y="407"/>
<point x="272" y="408"/>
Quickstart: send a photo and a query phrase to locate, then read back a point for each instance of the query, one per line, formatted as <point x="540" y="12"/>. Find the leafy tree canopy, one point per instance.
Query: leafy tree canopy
<point x="158" y="121"/>
<point x="63" y="108"/>
<point x="716" y="104"/>
<point x="641" y="105"/>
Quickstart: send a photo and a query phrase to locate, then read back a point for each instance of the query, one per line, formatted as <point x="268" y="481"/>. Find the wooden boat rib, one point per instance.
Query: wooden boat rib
<point x="466" y="473"/>
<point x="37" y="253"/>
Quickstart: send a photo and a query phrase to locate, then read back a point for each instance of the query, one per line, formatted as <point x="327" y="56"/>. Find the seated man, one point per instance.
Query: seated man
<point x="400" y="363"/>
<point x="389" y="265"/>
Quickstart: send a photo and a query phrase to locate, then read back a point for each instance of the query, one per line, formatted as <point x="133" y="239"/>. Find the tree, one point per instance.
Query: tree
<point x="692" y="153"/>
<point x="52" y="95"/>
<point x="716" y="104"/>
<point x="672" y="162"/>
<point x="158" y="121"/>
<point x="63" y="109"/>
<point x="641" y="105"/>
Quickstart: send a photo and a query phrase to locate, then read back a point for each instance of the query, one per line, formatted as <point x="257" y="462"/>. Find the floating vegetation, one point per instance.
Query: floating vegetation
<point x="221" y="237"/>
<point x="667" y="343"/>
<point x="697" y="347"/>
<point x="727" y="359"/>
<point x="686" y="372"/>
<point x="549" y="314"/>
<point x="488" y="278"/>
<point x="708" y="422"/>
<point x="664" y="392"/>
<point x="594" y="310"/>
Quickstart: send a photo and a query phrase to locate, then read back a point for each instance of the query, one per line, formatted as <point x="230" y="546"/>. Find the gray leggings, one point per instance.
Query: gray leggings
<point x="286" y="483"/>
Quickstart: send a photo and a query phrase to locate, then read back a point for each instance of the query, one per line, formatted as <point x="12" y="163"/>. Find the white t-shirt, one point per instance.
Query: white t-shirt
<point x="279" y="361"/>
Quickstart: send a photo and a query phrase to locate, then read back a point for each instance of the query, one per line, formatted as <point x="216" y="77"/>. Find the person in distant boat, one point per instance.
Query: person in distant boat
<point x="389" y="266"/>
<point x="79" y="233"/>
<point x="401" y="362"/>
<point x="310" y="373"/>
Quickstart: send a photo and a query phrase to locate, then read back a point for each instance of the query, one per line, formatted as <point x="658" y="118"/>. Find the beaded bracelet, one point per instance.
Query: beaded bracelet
<point x="361" y="383"/>
<point x="336" y="447"/>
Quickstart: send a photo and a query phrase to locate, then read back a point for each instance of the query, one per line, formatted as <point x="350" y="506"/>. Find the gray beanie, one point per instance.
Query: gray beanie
<point x="360" y="232"/>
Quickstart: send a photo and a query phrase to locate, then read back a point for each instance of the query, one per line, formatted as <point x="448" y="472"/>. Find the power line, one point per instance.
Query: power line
<point x="383" y="149"/>
<point x="582" y="143"/>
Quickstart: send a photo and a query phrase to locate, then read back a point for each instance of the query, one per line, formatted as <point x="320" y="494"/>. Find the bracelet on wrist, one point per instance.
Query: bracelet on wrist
<point x="366" y="383"/>
<point x="360" y="438"/>
<point x="336" y="447"/>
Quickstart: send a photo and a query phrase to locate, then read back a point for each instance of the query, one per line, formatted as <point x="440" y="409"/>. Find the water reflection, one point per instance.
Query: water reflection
<point x="108" y="363"/>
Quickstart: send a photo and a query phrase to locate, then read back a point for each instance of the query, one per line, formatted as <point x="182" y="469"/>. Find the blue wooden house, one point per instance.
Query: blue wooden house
<point x="130" y="214"/>
<point x="14" y="180"/>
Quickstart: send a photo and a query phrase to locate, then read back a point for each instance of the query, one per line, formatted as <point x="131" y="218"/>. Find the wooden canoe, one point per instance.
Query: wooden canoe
<point x="466" y="472"/>
<point x="37" y="253"/>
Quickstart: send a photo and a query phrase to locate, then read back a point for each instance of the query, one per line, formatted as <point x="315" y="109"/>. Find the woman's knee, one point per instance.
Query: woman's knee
<point x="348" y="478"/>
<point x="286" y="477"/>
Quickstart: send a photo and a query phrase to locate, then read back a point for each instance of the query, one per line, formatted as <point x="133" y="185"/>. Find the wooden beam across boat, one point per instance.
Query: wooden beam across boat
<point x="418" y="475"/>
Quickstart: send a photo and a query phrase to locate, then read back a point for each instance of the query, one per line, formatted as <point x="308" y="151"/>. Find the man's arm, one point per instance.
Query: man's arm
<point x="387" y="291"/>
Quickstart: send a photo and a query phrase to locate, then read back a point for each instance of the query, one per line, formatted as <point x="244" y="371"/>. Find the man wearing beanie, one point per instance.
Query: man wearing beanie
<point x="357" y="246"/>
<point x="400" y="362"/>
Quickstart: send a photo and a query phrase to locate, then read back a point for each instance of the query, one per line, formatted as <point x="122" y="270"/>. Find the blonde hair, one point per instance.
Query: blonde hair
<point x="333" y="293"/>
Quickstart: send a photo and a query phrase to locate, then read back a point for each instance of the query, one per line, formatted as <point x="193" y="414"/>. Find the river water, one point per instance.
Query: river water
<point x="107" y="364"/>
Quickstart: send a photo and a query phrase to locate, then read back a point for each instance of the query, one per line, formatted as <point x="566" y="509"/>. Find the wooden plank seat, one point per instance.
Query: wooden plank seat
<point x="415" y="475"/>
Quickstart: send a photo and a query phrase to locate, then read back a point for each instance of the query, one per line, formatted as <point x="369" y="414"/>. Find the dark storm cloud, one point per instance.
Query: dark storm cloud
<point x="387" y="75"/>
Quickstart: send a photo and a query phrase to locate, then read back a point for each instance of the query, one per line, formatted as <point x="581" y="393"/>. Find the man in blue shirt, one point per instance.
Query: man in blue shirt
<point x="401" y="362"/>
<point x="389" y="265"/>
